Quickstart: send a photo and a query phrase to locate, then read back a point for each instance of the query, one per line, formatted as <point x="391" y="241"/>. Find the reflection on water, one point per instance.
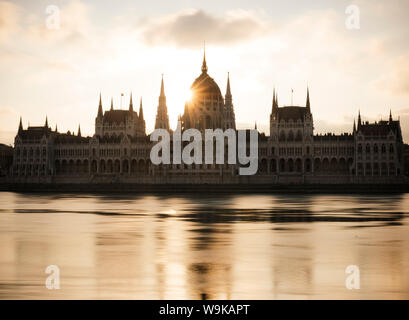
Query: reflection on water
<point x="212" y="247"/>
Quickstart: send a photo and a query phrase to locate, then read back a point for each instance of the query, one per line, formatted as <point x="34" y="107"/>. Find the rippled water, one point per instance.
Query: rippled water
<point x="204" y="246"/>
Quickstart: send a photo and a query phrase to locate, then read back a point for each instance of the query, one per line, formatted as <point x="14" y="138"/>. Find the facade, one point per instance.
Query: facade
<point x="6" y="158"/>
<point x="119" y="151"/>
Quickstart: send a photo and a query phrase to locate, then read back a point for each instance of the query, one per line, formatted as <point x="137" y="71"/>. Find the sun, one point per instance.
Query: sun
<point x="188" y="95"/>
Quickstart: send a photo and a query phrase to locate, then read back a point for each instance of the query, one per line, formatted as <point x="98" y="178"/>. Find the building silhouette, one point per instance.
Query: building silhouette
<point x="119" y="151"/>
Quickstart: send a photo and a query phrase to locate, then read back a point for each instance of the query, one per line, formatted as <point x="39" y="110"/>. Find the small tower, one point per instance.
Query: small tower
<point x="307" y="104"/>
<point x="142" y="124"/>
<point x="228" y="96"/>
<point x="112" y="103"/>
<point x="130" y="104"/>
<point x="79" y="130"/>
<point x="359" y="120"/>
<point x="229" y="116"/>
<point x="46" y="122"/>
<point x="390" y="116"/>
<point x="99" y="120"/>
<point x="100" y="113"/>
<point x="274" y="117"/>
<point x="20" y="126"/>
<point x="162" y="117"/>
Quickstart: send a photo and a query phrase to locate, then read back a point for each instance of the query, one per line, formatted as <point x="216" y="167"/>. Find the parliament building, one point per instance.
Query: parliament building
<point x="119" y="151"/>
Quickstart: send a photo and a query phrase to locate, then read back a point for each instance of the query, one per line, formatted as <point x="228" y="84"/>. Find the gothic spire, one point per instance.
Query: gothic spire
<point x="100" y="106"/>
<point x="162" y="88"/>
<point x="112" y="103"/>
<point x="274" y="106"/>
<point x="131" y="104"/>
<point x="308" y="98"/>
<point x="20" y="126"/>
<point x="140" y="110"/>
<point x="228" y="91"/>
<point x="354" y="129"/>
<point x="162" y="118"/>
<point x="79" y="130"/>
<point x="390" y="115"/>
<point x="56" y="129"/>
<point x="46" y="122"/>
<point x="276" y="99"/>
<point x="359" y="119"/>
<point x="204" y="65"/>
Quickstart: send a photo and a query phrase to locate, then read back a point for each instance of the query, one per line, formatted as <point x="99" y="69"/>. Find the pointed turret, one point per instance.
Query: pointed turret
<point x="130" y="104"/>
<point x="277" y="99"/>
<point x="100" y="114"/>
<point x="307" y="104"/>
<point x="354" y="129"/>
<point x="274" y="105"/>
<point x="56" y="129"/>
<point x="228" y="91"/>
<point x="359" y="119"/>
<point x="255" y="125"/>
<point x="20" y="126"/>
<point x="79" y="131"/>
<point x="162" y="118"/>
<point x="46" y="122"/>
<point x="140" y="110"/>
<point x="228" y="97"/>
<point x="390" y="116"/>
<point x="112" y="103"/>
<point x="162" y="88"/>
<point x="142" y="120"/>
<point x="204" y="65"/>
<point x="230" y="117"/>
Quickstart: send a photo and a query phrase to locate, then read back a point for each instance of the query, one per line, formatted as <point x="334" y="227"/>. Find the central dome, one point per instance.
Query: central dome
<point x="205" y="110"/>
<point x="204" y="86"/>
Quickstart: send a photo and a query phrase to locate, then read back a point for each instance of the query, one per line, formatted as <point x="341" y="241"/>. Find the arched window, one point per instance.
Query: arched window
<point x="368" y="149"/>
<point x="290" y="136"/>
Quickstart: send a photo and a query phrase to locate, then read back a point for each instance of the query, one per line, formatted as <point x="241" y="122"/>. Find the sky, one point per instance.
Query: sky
<point x="58" y="67"/>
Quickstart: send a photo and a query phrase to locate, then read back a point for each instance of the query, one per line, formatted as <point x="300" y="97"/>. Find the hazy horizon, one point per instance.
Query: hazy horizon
<point x="114" y="48"/>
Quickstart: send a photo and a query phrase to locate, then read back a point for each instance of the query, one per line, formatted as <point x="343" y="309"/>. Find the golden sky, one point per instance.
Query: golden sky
<point x="117" y="47"/>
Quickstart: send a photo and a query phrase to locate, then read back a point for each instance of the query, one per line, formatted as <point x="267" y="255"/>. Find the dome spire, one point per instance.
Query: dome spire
<point x="204" y="65"/>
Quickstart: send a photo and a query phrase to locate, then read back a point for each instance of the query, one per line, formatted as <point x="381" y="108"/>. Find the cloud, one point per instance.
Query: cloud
<point x="189" y="28"/>
<point x="397" y="81"/>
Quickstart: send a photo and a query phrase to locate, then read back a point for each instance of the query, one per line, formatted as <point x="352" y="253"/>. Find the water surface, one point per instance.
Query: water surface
<point x="204" y="246"/>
